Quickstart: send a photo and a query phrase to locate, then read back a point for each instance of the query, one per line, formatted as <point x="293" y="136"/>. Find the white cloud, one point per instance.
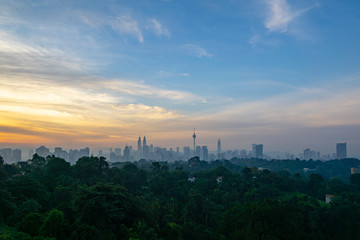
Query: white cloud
<point x="280" y="15"/>
<point x="159" y="28"/>
<point x="197" y="51"/>
<point x="163" y="74"/>
<point x="47" y="81"/>
<point x="308" y="107"/>
<point x="147" y="91"/>
<point x="128" y="25"/>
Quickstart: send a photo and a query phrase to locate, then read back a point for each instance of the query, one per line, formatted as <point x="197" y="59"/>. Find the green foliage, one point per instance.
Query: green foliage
<point x="29" y="206"/>
<point x="27" y="187"/>
<point x="355" y="179"/>
<point x="105" y="206"/>
<point x="90" y="169"/>
<point x="54" y="225"/>
<point x="31" y="224"/>
<point x="12" y="234"/>
<point x="181" y="200"/>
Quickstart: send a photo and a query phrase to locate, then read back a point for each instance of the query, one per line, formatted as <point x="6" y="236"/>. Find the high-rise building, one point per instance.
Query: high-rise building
<point x="257" y="150"/>
<point x="16" y="155"/>
<point x="6" y="154"/>
<point x="42" y="151"/>
<point x="205" y="154"/>
<point x="60" y="153"/>
<point x="198" y="151"/>
<point x="254" y="150"/>
<point x="85" y="152"/>
<point x="139" y="144"/>
<point x="186" y="153"/>
<point x="118" y="152"/>
<point x="144" y="142"/>
<point x="307" y="153"/>
<point x="31" y="153"/>
<point x="127" y="153"/>
<point x="341" y="150"/>
<point x="218" y="147"/>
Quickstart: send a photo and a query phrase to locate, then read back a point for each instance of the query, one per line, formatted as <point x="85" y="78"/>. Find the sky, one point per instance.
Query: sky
<point x="284" y="73"/>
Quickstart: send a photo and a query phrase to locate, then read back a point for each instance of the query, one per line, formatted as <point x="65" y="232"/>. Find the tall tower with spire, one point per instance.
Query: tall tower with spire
<point x="144" y="142"/>
<point x="194" y="136"/>
<point x="145" y="149"/>
<point x="139" y="144"/>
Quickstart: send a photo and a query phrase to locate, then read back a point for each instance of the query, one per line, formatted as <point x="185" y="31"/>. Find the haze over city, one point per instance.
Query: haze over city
<point x="100" y="74"/>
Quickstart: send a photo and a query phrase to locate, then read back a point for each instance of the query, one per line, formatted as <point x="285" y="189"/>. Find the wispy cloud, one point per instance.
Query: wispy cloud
<point x="197" y="51"/>
<point x="128" y="25"/>
<point x="281" y="14"/>
<point x="164" y="74"/>
<point x="51" y="96"/>
<point x="256" y="39"/>
<point x="158" y="28"/>
<point x="141" y="89"/>
<point x="305" y="107"/>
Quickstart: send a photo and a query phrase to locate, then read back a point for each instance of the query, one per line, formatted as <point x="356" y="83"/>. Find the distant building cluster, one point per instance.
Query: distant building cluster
<point x="10" y="156"/>
<point x="72" y="156"/>
<point x="149" y="152"/>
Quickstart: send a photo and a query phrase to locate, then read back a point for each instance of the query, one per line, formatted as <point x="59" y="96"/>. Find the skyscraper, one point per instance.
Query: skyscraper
<point x="257" y="150"/>
<point x="341" y="150"/>
<point x="42" y="151"/>
<point x="139" y="144"/>
<point x="254" y="150"/>
<point x="219" y="147"/>
<point x="194" y="136"/>
<point x="127" y="153"/>
<point x="198" y="152"/>
<point x="6" y="154"/>
<point x="144" y="142"/>
<point x="16" y="155"/>
<point x="205" y="154"/>
<point x="146" y="149"/>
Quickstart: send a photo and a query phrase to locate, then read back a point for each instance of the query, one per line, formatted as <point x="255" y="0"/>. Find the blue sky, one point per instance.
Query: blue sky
<point x="284" y="73"/>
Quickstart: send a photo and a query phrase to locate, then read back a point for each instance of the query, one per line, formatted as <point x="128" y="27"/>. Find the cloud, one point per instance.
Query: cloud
<point x="163" y="74"/>
<point x="306" y="107"/>
<point x="256" y="39"/>
<point x="159" y="28"/>
<point x="140" y="89"/>
<point x="128" y="25"/>
<point x="197" y="51"/>
<point x="280" y="15"/>
<point x="51" y="96"/>
<point x="125" y="24"/>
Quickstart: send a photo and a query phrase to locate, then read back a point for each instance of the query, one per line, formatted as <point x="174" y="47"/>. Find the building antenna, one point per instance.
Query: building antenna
<point x="194" y="136"/>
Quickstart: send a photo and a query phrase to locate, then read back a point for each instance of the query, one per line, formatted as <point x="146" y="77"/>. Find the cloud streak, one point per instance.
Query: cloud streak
<point x="48" y="94"/>
<point x="280" y="15"/>
<point x="196" y="51"/>
<point x="158" y="28"/>
<point x="127" y="25"/>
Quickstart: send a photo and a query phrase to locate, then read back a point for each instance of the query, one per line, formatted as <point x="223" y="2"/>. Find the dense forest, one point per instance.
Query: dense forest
<point x="47" y="198"/>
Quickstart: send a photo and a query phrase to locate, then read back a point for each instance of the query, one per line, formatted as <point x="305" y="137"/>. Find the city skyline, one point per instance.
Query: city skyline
<point x="98" y="74"/>
<point x="147" y="151"/>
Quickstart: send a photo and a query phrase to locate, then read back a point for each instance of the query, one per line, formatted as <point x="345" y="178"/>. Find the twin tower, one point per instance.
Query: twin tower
<point x="139" y="148"/>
